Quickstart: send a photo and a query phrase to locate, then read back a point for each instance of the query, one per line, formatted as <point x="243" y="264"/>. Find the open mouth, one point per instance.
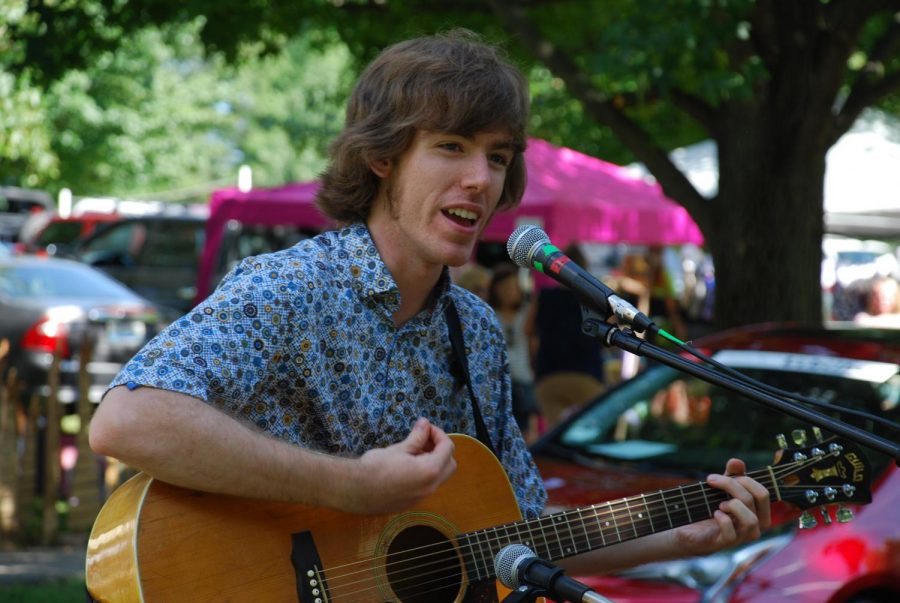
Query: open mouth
<point x="463" y="217"/>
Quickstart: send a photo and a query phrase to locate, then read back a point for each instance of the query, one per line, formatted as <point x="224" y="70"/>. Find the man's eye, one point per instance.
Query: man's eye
<point x="500" y="159"/>
<point x="451" y="146"/>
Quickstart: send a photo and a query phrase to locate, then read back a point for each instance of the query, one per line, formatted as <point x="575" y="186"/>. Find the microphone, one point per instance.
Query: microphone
<point x="517" y="566"/>
<point x="530" y="247"/>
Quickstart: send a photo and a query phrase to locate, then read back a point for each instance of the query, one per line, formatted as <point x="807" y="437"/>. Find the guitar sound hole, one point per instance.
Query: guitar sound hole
<point x="422" y="566"/>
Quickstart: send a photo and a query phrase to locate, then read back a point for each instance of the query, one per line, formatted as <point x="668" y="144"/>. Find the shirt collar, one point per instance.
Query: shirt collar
<point x="371" y="278"/>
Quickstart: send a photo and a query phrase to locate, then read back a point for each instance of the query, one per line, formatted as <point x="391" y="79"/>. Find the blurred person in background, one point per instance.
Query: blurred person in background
<point x="475" y="278"/>
<point x="882" y="304"/>
<point x="663" y="305"/>
<point x="507" y="298"/>
<point x="568" y="365"/>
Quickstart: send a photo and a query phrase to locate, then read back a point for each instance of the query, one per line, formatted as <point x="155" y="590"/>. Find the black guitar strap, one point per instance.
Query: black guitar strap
<point x="459" y="348"/>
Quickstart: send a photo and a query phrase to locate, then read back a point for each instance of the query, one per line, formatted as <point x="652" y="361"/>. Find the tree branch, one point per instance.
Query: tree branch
<point x="873" y="84"/>
<point x="606" y="111"/>
<point x="697" y="108"/>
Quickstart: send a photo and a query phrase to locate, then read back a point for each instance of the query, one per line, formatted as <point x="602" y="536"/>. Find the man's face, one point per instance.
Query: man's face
<point x="439" y="195"/>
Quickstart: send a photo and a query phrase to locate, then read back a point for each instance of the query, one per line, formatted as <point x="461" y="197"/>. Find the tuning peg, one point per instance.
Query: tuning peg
<point x="826" y="516"/>
<point x="817" y="434"/>
<point x="843" y="515"/>
<point x="781" y="441"/>
<point x="807" y="521"/>
<point x="799" y="437"/>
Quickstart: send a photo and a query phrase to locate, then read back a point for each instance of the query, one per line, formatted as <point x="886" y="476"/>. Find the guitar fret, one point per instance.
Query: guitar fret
<point x="662" y="497"/>
<point x="587" y="537"/>
<point x="558" y="538"/>
<point x="481" y="554"/>
<point x="687" y="507"/>
<point x="630" y="517"/>
<point x="706" y="500"/>
<point x="500" y="539"/>
<point x="574" y="548"/>
<point x="512" y="538"/>
<point x="615" y="523"/>
<point x="530" y="543"/>
<point x="473" y="553"/>
<point x="542" y="548"/>
<point x="468" y="554"/>
<point x="599" y="525"/>
<point x="649" y="514"/>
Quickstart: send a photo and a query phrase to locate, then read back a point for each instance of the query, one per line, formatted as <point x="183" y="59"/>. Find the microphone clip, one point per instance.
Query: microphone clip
<point x="529" y="592"/>
<point x="525" y="594"/>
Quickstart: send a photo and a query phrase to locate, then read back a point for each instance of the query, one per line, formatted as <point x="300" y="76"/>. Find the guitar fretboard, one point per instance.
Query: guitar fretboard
<point x="568" y="533"/>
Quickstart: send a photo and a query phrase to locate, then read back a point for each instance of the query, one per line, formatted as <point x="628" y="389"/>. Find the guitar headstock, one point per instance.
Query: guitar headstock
<point x="831" y="471"/>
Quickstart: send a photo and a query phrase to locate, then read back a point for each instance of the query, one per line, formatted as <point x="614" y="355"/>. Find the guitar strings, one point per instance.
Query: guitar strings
<point x="545" y="518"/>
<point x="711" y="496"/>
<point x="542" y="520"/>
<point x="443" y="581"/>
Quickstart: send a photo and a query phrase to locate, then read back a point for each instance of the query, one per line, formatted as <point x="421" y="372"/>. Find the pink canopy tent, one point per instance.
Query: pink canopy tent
<point x="578" y="198"/>
<point x="572" y="196"/>
<point x="290" y="204"/>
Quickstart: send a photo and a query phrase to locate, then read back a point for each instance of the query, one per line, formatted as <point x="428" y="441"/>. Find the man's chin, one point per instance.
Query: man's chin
<point x="459" y="258"/>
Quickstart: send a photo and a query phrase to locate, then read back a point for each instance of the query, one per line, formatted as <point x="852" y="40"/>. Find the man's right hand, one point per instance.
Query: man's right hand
<point x="392" y="479"/>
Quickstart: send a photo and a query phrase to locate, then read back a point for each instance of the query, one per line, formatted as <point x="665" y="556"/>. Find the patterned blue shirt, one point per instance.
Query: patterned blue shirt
<point x="302" y="343"/>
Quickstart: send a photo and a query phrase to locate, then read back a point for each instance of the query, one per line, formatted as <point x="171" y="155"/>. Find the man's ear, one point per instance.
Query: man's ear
<point x="381" y="167"/>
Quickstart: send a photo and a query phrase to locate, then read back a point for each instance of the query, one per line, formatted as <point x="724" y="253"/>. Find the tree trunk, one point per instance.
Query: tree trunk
<point x="767" y="226"/>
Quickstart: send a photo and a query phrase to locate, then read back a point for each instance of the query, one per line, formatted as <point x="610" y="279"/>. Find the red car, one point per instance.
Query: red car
<point x="664" y="429"/>
<point x="51" y="234"/>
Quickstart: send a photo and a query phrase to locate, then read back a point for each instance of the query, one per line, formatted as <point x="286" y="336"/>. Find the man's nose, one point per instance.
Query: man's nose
<point x="477" y="175"/>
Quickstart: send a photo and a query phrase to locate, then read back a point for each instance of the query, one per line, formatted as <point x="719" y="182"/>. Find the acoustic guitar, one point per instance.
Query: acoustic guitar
<point x="156" y="542"/>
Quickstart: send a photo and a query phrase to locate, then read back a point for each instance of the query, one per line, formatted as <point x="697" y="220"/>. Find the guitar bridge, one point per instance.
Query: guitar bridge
<point x="311" y="587"/>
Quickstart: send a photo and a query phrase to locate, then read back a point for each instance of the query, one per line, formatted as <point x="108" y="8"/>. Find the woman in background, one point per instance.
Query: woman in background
<point x="506" y="297"/>
<point x="568" y="365"/>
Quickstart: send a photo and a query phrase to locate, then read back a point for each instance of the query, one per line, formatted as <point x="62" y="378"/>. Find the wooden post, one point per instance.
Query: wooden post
<point x="50" y="517"/>
<point x="26" y="491"/>
<point x="8" y="454"/>
<point x="86" y="483"/>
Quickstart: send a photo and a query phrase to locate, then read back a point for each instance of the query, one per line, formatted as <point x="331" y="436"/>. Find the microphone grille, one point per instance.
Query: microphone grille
<point x="506" y="561"/>
<point x="521" y="242"/>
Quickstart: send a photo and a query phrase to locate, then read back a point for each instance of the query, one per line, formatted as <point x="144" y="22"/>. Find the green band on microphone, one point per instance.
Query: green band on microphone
<point x="539" y="267"/>
<point x="550" y="249"/>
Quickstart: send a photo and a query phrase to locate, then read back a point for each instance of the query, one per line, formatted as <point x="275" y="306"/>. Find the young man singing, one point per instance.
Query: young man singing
<point x="323" y="374"/>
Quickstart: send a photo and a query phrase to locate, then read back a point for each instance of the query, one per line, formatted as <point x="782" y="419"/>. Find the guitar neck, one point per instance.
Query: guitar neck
<point x="569" y="533"/>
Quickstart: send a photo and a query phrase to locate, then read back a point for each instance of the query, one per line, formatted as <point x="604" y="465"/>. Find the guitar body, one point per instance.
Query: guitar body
<point x="156" y="542"/>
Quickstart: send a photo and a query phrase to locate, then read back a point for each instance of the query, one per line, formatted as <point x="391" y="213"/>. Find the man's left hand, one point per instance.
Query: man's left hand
<point x="740" y="519"/>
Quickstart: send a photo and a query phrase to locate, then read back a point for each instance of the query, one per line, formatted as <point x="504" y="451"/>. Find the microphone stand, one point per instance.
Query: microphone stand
<point x="595" y="325"/>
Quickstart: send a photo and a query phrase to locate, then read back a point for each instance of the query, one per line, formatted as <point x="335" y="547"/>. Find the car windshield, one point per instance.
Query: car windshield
<point x="75" y="282"/>
<point x="676" y="422"/>
<point x="60" y="233"/>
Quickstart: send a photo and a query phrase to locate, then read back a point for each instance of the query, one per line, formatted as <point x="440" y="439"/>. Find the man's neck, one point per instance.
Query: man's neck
<point x="414" y="298"/>
<point x="416" y="280"/>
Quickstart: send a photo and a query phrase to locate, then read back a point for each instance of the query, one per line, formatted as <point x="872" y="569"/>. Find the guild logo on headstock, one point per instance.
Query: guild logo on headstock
<point x="837" y="470"/>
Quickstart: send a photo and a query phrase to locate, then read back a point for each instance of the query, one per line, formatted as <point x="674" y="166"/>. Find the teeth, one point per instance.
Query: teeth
<point x="462" y="213"/>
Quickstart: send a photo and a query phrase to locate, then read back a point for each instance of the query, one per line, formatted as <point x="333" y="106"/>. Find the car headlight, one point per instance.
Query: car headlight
<point x="713" y="575"/>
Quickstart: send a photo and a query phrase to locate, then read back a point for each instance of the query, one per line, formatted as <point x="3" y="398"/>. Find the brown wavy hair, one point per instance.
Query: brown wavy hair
<point x="452" y="82"/>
